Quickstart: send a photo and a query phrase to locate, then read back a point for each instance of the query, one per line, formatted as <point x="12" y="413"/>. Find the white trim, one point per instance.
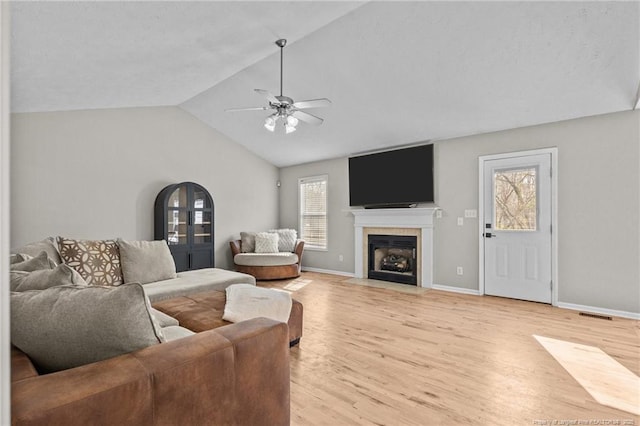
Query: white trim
<point x="455" y="289"/>
<point x="328" y="271"/>
<point x="5" y="340"/>
<point x="308" y="179"/>
<point x="602" y="311"/>
<point x="553" y="152"/>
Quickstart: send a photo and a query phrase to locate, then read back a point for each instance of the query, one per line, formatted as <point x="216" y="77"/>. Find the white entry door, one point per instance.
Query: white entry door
<point x="517" y="227"/>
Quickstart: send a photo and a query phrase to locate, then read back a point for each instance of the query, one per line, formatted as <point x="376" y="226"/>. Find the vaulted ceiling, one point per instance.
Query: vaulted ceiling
<point x="397" y="73"/>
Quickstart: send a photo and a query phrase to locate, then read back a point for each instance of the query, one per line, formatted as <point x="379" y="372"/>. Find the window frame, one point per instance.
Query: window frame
<point x="311" y="179"/>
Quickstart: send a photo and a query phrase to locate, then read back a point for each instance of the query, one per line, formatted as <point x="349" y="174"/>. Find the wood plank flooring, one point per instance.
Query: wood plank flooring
<point x="373" y="356"/>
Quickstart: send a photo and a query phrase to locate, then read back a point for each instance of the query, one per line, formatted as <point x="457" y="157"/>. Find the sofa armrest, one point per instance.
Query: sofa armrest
<point x="206" y="378"/>
<point x="235" y="247"/>
<point x="298" y="250"/>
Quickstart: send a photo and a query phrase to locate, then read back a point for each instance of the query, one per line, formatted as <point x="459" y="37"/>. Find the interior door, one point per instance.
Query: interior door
<point x="517" y="233"/>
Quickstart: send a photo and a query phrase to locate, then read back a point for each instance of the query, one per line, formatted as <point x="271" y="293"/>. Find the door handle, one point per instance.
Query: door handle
<point x="490" y="235"/>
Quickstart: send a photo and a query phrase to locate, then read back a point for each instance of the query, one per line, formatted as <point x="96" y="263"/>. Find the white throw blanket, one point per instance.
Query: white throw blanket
<point x="246" y="301"/>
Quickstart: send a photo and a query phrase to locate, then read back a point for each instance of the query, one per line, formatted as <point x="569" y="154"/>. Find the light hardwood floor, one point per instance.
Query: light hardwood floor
<point x="378" y="356"/>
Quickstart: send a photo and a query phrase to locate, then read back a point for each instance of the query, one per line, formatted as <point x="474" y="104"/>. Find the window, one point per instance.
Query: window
<point x="515" y="199"/>
<point x="313" y="211"/>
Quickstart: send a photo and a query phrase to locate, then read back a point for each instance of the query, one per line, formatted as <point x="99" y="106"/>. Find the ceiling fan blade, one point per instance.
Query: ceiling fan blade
<point x="312" y="103"/>
<point x="268" y="95"/>
<point x="307" y="118"/>
<point x="247" y="109"/>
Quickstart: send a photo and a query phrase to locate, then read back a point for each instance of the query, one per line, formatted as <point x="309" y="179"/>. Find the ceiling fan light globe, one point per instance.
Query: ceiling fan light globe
<point x="289" y="129"/>
<point x="292" y="121"/>
<point x="270" y="123"/>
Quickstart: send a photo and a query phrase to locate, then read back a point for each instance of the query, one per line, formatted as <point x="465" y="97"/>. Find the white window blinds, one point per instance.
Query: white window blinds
<point x="313" y="211"/>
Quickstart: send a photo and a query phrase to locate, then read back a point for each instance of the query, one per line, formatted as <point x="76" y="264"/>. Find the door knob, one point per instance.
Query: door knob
<point x="489" y="235"/>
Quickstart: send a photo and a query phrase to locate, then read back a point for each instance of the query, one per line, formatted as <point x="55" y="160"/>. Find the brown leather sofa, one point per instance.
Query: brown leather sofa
<point x="235" y="374"/>
<point x="269" y="272"/>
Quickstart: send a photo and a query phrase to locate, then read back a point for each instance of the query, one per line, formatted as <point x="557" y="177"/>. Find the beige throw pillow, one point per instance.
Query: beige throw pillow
<point x="98" y="262"/>
<point x="44" y="278"/>
<point x="286" y="239"/>
<point x="33" y="249"/>
<point x="266" y="242"/>
<point x="24" y="262"/>
<point x="146" y="261"/>
<point x="68" y="326"/>
<point x="247" y="242"/>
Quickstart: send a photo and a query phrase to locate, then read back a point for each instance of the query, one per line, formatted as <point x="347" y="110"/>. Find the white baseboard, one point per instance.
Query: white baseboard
<point x="602" y="311"/>
<point x="455" y="289"/>
<point x="328" y="271"/>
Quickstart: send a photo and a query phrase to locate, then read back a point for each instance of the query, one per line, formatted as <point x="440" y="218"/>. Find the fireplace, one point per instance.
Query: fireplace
<point x="393" y="258"/>
<point x="416" y="222"/>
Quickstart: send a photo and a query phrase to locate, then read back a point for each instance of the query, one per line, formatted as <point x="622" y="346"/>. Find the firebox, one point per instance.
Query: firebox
<point x="393" y="258"/>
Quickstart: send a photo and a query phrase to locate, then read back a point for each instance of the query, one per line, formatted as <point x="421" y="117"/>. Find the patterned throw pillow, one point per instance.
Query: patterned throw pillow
<point x="286" y="239"/>
<point x="266" y="242"/>
<point x="98" y="262"/>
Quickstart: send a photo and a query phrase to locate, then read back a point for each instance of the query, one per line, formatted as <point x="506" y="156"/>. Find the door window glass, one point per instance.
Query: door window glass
<point x="515" y="199"/>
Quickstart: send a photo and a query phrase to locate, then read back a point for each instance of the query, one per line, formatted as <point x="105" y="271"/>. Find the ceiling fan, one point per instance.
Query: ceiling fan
<point x="284" y="107"/>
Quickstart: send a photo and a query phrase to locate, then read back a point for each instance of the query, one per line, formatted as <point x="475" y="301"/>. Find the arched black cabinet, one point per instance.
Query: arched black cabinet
<point x="184" y="218"/>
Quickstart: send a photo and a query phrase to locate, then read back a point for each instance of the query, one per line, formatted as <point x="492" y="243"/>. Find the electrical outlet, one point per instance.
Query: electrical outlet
<point x="340" y="258"/>
<point x="459" y="270"/>
<point x="460" y="221"/>
<point x="438" y="214"/>
<point x="471" y="213"/>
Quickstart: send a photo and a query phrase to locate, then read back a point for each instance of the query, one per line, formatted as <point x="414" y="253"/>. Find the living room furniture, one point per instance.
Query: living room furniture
<point x="224" y="374"/>
<point x="203" y="311"/>
<point x="268" y="266"/>
<point x="184" y="218"/>
<point x="236" y="374"/>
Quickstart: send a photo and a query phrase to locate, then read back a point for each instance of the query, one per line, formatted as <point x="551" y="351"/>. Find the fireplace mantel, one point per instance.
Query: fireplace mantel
<point x="410" y="218"/>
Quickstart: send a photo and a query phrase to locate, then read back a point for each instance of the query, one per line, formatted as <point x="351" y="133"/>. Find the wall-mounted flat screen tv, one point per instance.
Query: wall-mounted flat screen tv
<point x="392" y="178"/>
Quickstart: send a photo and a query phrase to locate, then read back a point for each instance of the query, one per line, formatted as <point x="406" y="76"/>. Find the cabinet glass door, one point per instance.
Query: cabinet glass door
<point x="176" y="226"/>
<point x="178" y="198"/>
<point x="202" y="227"/>
<point x="200" y="199"/>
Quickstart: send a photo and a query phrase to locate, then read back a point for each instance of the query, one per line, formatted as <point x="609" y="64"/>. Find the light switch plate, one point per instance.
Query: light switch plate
<point x="471" y="213"/>
<point x="460" y="221"/>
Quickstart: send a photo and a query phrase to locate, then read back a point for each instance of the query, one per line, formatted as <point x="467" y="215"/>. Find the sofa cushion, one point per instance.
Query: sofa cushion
<point x="196" y="281"/>
<point x="265" y="259"/>
<point x="44" y="278"/>
<point x="146" y="261"/>
<point x="174" y="332"/>
<point x="266" y="242"/>
<point x="247" y="242"/>
<point x="97" y="261"/>
<point x="286" y="239"/>
<point x="68" y="326"/>
<point x="24" y="262"/>
<point x="162" y="319"/>
<point x="245" y="302"/>
<point x="33" y="249"/>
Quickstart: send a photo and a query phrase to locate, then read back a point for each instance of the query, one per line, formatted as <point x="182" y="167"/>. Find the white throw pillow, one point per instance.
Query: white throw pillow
<point x="266" y="242"/>
<point x="286" y="239"/>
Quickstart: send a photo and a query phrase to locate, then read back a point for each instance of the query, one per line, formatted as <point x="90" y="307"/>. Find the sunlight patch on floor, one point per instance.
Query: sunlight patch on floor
<point x="607" y="381"/>
<point x="297" y="284"/>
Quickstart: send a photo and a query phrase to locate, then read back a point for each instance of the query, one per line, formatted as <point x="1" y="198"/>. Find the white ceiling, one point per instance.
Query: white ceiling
<point x="397" y="72"/>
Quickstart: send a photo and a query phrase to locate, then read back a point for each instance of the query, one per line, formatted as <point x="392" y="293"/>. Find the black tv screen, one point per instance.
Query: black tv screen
<point x="400" y="177"/>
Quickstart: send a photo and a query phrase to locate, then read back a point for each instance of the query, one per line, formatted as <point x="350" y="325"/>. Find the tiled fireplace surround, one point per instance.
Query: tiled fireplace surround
<point x="410" y="221"/>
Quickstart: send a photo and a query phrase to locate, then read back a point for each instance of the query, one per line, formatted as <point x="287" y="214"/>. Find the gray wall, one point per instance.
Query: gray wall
<point x="598" y="204"/>
<point x="340" y="221"/>
<point x="95" y="174"/>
